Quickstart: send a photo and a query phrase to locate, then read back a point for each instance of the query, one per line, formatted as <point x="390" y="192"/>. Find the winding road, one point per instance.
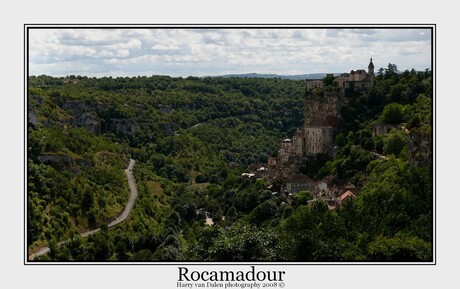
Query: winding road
<point x="121" y="218"/>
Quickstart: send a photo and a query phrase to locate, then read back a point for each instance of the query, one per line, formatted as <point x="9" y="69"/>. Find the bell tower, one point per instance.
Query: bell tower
<point x="370" y="68"/>
<point x="370" y="72"/>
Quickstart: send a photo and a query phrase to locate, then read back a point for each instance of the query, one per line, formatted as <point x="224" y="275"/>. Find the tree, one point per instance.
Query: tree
<point x="379" y="143"/>
<point x="301" y="198"/>
<point x="414" y="122"/>
<point x="239" y="242"/>
<point x="394" y="142"/>
<point x="101" y="246"/>
<point x="400" y="248"/>
<point x="231" y="214"/>
<point x="52" y="244"/>
<point x="104" y="227"/>
<point x="392" y="114"/>
<point x="142" y="255"/>
<point x="391" y="70"/>
<point x="328" y="80"/>
<point x="264" y="211"/>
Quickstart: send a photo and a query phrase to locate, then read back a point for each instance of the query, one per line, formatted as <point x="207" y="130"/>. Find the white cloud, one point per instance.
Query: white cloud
<point x="131" y="44"/>
<point x="218" y="51"/>
<point x="122" y="52"/>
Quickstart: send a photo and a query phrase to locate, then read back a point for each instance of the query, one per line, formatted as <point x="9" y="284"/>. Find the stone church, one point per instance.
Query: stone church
<point x="321" y="113"/>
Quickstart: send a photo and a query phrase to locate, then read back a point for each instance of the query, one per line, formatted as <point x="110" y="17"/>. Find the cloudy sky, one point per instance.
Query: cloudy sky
<point x="201" y="52"/>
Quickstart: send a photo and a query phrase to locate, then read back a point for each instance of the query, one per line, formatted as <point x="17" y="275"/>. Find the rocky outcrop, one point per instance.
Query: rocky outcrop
<point x="89" y="121"/>
<point x="84" y="114"/>
<point x="168" y="128"/>
<point x="78" y="107"/>
<point x="31" y="116"/>
<point x="64" y="161"/>
<point x="165" y="108"/>
<point x="87" y="115"/>
<point x="83" y="162"/>
<point x="124" y="126"/>
<point x="93" y="116"/>
<point x="60" y="159"/>
<point x="420" y="148"/>
<point x="36" y="98"/>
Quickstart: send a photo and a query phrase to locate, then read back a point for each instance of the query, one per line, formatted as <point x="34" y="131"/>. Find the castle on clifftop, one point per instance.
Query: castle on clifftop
<point x="323" y="101"/>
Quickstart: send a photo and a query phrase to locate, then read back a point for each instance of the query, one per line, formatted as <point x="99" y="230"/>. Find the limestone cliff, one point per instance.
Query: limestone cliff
<point x="89" y="115"/>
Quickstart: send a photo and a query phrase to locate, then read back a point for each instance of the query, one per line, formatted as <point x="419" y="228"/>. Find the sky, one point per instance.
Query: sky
<point x="211" y="52"/>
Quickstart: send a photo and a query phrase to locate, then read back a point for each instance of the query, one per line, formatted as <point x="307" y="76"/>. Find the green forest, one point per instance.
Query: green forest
<point x="192" y="138"/>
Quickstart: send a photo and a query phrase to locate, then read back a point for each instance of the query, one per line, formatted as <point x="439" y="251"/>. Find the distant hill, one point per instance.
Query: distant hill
<point x="293" y="77"/>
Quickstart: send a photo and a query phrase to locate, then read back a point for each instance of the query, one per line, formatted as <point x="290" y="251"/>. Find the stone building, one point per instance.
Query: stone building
<point x="314" y="83"/>
<point x="299" y="182"/>
<point x="285" y="151"/>
<point x="321" y="110"/>
<point x="320" y="117"/>
<point x="297" y="143"/>
<point x="384" y="128"/>
<point x="272" y="162"/>
<point x="360" y="79"/>
<point x="321" y="113"/>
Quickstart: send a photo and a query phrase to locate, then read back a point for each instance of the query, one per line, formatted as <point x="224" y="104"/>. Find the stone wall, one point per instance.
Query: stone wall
<point x="382" y="129"/>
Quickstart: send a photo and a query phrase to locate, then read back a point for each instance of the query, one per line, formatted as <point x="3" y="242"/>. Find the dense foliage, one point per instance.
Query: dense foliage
<point x="193" y="138"/>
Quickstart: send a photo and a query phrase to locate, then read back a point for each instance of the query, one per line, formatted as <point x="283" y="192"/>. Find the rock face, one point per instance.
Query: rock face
<point x="83" y="162"/>
<point x="165" y="108"/>
<point x="31" y="117"/>
<point x="125" y="126"/>
<point x="64" y="161"/>
<point x="85" y="115"/>
<point x="168" y="128"/>
<point x="34" y="100"/>
<point x="89" y="115"/>
<point x="89" y="121"/>
<point x="420" y="148"/>
<point x="61" y="159"/>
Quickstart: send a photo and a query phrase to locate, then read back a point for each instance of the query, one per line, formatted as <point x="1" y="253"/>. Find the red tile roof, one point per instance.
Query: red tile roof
<point x="345" y="196"/>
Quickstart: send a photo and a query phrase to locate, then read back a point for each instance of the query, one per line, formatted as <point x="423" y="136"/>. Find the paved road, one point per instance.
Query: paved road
<point x="132" y="197"/>
<point x="197" y="125"/>
<point x="121" y="218"/>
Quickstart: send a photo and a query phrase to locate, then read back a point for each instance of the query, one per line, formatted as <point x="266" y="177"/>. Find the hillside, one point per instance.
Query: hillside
<point x="192" y="139"/>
